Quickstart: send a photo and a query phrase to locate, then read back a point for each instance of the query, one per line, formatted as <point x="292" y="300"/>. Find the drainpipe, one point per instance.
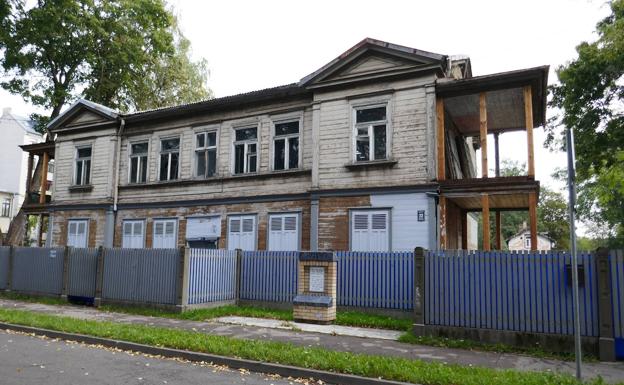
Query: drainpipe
<point x="122" y="125"/>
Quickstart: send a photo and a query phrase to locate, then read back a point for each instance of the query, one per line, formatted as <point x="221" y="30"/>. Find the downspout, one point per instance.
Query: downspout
<point x="122" y="125"/>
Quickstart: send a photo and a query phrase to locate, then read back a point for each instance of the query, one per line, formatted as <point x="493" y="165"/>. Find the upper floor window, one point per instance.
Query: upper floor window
<point x="245" y="150"/>
<point x="169" y="159"/>
<point x="138" y="162"/>
<point x="6" y="207"/>
<point x="82" y="174"/>
<point x="286" y="146"/>
<point x="370" y="133"/>
<point x="205" y="154"/>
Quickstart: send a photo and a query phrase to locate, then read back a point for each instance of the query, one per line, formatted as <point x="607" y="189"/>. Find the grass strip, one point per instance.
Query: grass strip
<point x="392" y="368"/>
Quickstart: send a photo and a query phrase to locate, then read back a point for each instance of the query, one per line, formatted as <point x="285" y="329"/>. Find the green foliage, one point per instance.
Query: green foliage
<point x="58" y="50"/>
<point x="590" y="98"/>
<point x="374" y="366"/>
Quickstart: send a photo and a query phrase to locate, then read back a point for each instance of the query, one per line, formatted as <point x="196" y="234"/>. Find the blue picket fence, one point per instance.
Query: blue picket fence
<point x="525" y="292"/>
<point x="616" y="262"/>
<point x="382" y="280"/>
<point x="269" y="276"/>
<point x="212" y="276"/>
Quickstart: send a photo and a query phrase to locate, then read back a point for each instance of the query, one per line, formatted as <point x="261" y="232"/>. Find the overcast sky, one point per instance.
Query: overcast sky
<point x="251" y="45"/>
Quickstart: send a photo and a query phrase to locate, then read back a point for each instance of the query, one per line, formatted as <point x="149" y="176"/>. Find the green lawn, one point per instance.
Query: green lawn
<point x="392" y="368"/>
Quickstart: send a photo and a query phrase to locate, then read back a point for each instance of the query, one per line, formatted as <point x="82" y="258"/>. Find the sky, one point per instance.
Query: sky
<point x="252" y="45"/>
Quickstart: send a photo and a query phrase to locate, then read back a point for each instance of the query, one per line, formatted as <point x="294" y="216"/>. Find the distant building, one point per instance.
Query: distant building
<point x="15" y="131"/>
<point x="522" y="241"/>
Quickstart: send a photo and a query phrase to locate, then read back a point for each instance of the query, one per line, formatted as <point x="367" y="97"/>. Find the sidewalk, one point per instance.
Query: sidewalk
<point x="611" y="372"/>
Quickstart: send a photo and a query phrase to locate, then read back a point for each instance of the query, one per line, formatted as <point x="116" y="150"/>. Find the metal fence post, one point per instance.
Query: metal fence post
<point x="99" y="277"/>
<point x="183" y="279"/>
<point x="606" y="342"/>
<point x="239" y="260"/>
<point x="65" y="289"/>
<point x="419" y="291"/>
<point x="10" y="275"/>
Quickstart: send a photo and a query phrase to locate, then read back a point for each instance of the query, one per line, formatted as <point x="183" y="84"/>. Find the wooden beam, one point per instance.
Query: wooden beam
<point x="483" y="134"/>
<point x="440" y="139"/>
<point x="496" y="156"/>
<point x="528" y="118"/>
<point x="443" y="235"/>
<point x="485" y="210"/>
<point x="464" y="230"/>
<point x="29" y="174"/>
<point x="498" y="231"/>
<point x="533" y="219"/>
<point x="44" y="178"/>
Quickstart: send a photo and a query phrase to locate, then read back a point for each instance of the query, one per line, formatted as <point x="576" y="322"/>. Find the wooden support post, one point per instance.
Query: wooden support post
<point x="483" y="133"/>
<point x="464" y="229"/>
<point x="485" y="207"/>
<point x="183" y="279"/>
<point x="443" y="235"/>
<point x="419" y="291"/>
<point x="533" y="219"/>
<point x="29" y="176"/>
<point x="44" y="179"/>
<point x="440" y="139"/>
<point x="528" y="117"/>
<point x="496" y="156"/>
<point x="498" y="231"/>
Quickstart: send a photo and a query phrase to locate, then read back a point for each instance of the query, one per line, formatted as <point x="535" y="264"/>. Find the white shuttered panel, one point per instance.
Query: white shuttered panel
<point x="133" y="235"/>
<point x="165" y="234"/>
<point x="370" y="230"/>
<point x="77" y="233"/>
<point x="284" y="232"/>
<point x="242" y="232"/>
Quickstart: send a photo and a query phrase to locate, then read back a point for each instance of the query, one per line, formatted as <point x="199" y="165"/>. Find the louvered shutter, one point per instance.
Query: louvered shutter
<point x="242" y="232"/>
<point x="284" y="232"/>
<point x="370" y="230"/>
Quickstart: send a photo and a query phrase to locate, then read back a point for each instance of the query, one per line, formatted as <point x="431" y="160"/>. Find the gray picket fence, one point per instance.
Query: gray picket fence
<point x="4" y="267"/>
<point x="616" y="262"/>
<point x="269" y="276"/>
<point x="82" y="270"/>
<point x="212" y="276"/>
<point x="141" y="275"/>
<point x="38" y="270"/>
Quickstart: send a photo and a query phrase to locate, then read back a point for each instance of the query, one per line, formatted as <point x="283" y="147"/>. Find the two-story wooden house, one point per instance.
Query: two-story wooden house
<point x="374" y="151"/>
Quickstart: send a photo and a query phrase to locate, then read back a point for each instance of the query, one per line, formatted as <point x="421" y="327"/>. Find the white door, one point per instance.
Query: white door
<point x="133" y="235"/>
<point x="370" y="230"/>
<point x="165" y="236"/>
<point x="242" y="232"/>
<point x="284" y="232"/>
<point x="77" y="233"/>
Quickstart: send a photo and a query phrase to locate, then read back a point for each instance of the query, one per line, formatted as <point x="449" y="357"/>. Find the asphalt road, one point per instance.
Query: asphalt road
<point x="25" y="359"/>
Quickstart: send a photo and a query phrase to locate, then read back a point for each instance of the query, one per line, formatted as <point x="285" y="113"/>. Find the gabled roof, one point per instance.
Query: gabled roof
<point x="79" y="106"/>
<point x="419" y="58"/>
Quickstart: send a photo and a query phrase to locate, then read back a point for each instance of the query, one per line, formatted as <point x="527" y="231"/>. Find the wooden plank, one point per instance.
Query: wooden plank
<point x="440" y="138"/>
<point x="44" y="181"/>
<point x="464" y="229"/>
<point x="528" y="117"/>
<point x="533" y="219"/>
<point x="483" y="134"/>
<point x="485" y="207"/>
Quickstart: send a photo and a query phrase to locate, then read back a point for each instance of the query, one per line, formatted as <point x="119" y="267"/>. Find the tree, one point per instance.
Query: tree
<point x="58" y="50"/>
<point x="590" y="97"/>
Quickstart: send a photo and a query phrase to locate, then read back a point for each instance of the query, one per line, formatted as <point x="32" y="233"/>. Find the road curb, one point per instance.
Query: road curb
<point x="235" y="363"/>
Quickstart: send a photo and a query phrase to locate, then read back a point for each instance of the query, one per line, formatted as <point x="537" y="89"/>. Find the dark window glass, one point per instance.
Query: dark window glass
<point x="201" y="163"/>
<point x="279" y="160"/>
<point x="134" y="168"/>
<point x="362" y="147"/>
<point x="143" y="169"/>
<point x="173" y="174"/>
<point x="212" y="139"/>
<point x="164" y="166"/>
<point x="212" y="162"/>
<point x="79" y="173"/>
<point x="287" y="128"/>
<point x="370" y="114"/>
<point x="200" y="140"/>
<point x="293" y="153"/>
<point x="380" y="141"/>
<point x="247" y="133"/>
<point x="139" y="148"/>
<point x="84" y="152"/>
<point x="239" y="158"/>
<point x="251" y="163"/>
<point x="87" y="171"/>
<point x="170" y="144"/>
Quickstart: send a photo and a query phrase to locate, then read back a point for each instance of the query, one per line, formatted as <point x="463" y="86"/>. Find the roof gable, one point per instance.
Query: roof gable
<point x="370" y="59"/>
<point x="81" y="114"/>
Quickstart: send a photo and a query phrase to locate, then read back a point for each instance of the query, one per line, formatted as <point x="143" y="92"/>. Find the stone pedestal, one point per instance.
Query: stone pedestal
<point x="316" y="293"/>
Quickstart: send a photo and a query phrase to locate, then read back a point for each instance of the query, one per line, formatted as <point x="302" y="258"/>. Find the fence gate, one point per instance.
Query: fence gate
<point x="82" y="271"/>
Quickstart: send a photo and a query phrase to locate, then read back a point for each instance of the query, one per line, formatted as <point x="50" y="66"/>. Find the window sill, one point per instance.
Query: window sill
<point x="370" y="164"/>
<point x="81" y="188"/>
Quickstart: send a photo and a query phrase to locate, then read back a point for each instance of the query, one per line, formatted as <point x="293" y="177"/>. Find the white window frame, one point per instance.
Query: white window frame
<point x="131" y="155"/>
<point x="82" y="160"/>
<point x="132" y="222"/>
<point x="164" y="221"/>
<point x="246" y="144"/>
<point x="364" y="105"/>
<point x="161" y="152"/>
<point x="296" y="214"/>
<point x="242" y="216"/>
<point x="287" y="138"/>
<point x="370" y="212"/>
<point x="77" y="222"/>
<point x="206" y="148"/>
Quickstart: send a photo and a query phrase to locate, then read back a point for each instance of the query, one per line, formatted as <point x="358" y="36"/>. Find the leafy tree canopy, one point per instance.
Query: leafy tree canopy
<point x="104" y="50"/>
<point x="590" y="98"/>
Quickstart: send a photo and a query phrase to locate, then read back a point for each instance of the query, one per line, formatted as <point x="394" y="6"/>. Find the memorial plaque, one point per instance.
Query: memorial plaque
<point x="317" y="279"/>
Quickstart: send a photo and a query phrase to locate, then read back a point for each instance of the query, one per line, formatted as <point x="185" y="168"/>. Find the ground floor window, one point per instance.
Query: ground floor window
<point x="77" y="232"/>
<point x="284" y="232"/>
<point x="165" y="234"/>
<point x="242" y="232"/>
<point x="6" y="207"/>
<point x="203" y="232"/>
<point x="370" y="230"/>
<point x="133" y="234"/>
